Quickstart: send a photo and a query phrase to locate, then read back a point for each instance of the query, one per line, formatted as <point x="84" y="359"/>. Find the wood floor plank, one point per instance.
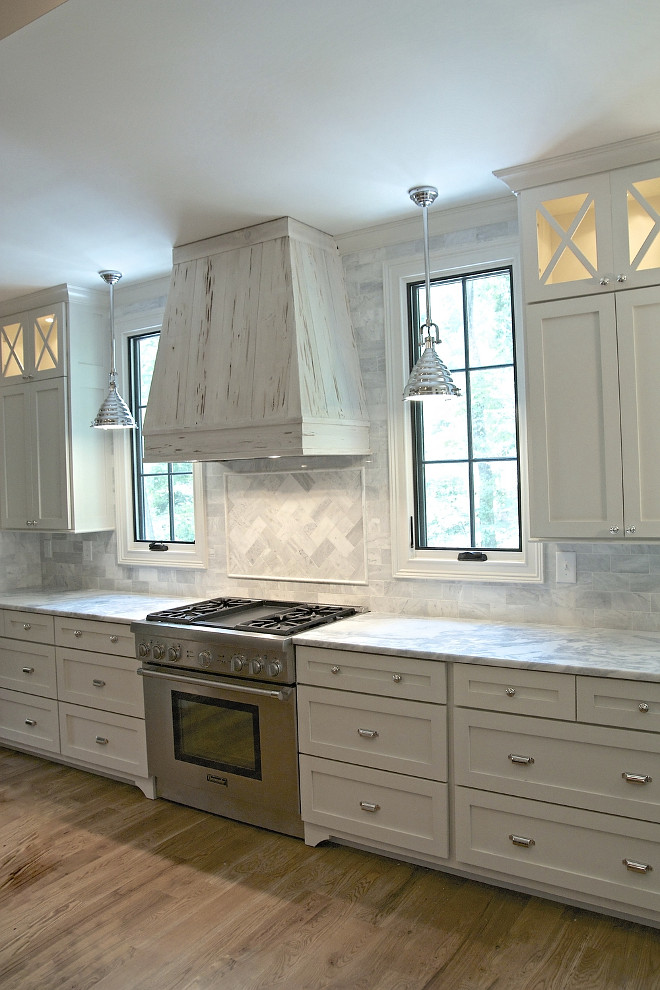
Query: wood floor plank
<point x="102" y="888"/>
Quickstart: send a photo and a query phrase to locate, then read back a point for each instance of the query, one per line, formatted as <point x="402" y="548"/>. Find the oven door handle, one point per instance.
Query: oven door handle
<point x="280" y="695"/>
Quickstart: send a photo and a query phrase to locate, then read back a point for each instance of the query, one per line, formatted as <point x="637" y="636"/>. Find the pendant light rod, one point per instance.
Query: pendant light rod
<point x="425" y="196"/>
<point x="110" y="278"/>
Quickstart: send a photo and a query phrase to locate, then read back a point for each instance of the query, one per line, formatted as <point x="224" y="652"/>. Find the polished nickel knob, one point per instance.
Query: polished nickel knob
<point x="510" y="692"/>
<point x="614" y="530"/>
<point x="27" y="626"/>
<point x="622" y="278"/>
<point x="396" y="678"/>
<point x="77" y="633"/>
<point x="237" y="663"/>
<point x="335" y="670"/>
<point x="630" y="530"/>
<point x="114" y="639"/>
<point x="604" y="281"/>
<point x="643" y="707"/>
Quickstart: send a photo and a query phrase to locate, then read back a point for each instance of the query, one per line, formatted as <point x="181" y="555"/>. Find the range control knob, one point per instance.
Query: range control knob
<point x="274" y="669"/>
<point x="205" y="658"/>
<point x="144" y="649"/>
<point x="174" y="653"/>
<point x="256" y="665"/>
<point x="159" y="651"/>
<point x="237" y="663"/>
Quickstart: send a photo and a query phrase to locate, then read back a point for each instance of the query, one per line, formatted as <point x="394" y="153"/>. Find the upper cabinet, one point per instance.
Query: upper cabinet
<point x="594" y="234"/>
<point x="53" y="465"/>
<point x="32" y="345"/>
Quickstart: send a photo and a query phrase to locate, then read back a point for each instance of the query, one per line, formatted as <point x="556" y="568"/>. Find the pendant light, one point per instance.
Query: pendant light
<point x="114" y="414"/>
<point x="430" y="376"/>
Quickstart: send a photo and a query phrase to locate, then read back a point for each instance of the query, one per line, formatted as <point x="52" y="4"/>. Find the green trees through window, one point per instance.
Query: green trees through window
<point x="163" y="493"/>
<point x="466" y="449"/>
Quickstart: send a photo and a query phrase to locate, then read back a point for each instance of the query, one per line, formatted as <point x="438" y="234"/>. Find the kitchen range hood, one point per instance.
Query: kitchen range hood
<point x="257" y="356"/>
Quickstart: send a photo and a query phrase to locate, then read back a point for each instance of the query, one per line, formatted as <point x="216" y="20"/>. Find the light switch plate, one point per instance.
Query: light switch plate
<point x="566" y="567"/>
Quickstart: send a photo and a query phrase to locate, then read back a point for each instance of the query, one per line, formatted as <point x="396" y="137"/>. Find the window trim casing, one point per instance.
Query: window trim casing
<point x="129" y="550"/>
<point x="407" y="562"/>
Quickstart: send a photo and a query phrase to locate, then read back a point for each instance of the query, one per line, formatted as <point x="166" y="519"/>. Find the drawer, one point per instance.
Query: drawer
<point x="371" y="804"/>
<point x="29" y="720"/>
<point x="28" y="667"/>
<point x="108" y="683"/>
<point x="591" y="767"/>
<point x="575" y="851"/>
<point x="33" y="627"/>
<point x="614" y="701"/>
<point x="515" y="689"/>
<point x="114" y="638"/>
<point x="117" y="742"/>
<point x="372" y="673"/>
<point x="404" y="736"/>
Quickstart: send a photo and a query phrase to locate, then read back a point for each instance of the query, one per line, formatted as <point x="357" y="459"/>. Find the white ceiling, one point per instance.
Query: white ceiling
<point x="127" y="127"/>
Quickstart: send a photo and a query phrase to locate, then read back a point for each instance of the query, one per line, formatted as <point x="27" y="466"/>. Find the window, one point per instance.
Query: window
<point x="163" y="495"/>
<point x="458" y="465"/>
<point x="465" y="461"/>
<point x="158" y="505"/>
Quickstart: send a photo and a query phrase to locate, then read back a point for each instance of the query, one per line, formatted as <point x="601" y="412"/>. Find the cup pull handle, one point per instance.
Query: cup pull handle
<point x="369" y="806"/>
<point x="637" y="778"/>
<point x="521" y="840"/>
<point x="102" y="741"/>
<point x="97" y="682"/>
<point x="30" y="721"/>
<point x="634" y="867"/>
<point x="526" y="760"/>
<point x="28" y="670"/>
<point x="368" y="733"/>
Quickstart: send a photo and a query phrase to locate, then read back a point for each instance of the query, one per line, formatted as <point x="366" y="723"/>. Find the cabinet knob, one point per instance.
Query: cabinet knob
<point x="114" y="639"/>
<point x="622" y="278"/>
<point x="77" y="633"/>
<point x="630" y="530"/>
<point x="643" y="707"/>
<point x="396" y="678"/>
<point x="510" y="692"/>
<point x="614" y="530"/>
<point x="335" y="670"/>
<point x="604" y="280"/>
<point x="27" y="626"/>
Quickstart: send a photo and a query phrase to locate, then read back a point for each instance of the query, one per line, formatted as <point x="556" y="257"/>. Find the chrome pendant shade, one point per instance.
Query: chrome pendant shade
<point x="114" y="414"/>
<point x="430" y="376"/>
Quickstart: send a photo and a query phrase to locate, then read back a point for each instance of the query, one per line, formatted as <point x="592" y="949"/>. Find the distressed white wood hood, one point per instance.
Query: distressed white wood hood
<point x="257" y="355"/>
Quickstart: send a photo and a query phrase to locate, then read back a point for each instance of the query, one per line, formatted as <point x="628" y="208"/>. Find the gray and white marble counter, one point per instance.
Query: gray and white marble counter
<point x="110" y="605"/>
<point x="603" y="652"/>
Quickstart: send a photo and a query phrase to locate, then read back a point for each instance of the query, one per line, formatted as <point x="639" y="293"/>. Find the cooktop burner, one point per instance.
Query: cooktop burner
<point x="253" y="615"/>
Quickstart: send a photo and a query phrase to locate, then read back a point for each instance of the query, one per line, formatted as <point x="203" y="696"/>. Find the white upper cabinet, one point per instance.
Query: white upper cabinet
<point x="32" y="345"/>
<point x="594" y="234"/>
<point x="53" y="470"/>
<point x="593" y="410"/>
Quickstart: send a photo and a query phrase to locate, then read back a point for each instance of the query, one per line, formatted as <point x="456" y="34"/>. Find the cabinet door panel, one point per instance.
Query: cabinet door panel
<point x="638" y="323"/>
<point x="15" y="459"/>
<point x="50" y="488"/>
<point x="636" y="223"/>
<point x="573" y="419"/>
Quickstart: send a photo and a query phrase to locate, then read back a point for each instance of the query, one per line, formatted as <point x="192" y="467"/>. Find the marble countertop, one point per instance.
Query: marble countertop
<point x="100" y="605"/>
<point x="603" y="652"/>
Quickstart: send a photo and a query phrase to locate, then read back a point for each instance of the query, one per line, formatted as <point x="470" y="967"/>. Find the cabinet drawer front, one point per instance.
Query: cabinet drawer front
<point x="28" y="667"/>
<point x="614" y="701"/>
<point x="576" y="851"/>
<point x="29" y="720"/>
<point x="372" y="673"/>
<point x="33" y="627"/>
<point x="403" y="736"/>
<point x="116" y="742"/>
<point x="389" y="808"/>
<point x="108" y="683"/>
<point x="101" y="637"/>
<point x="595" y="768"/>
<point x="515" y="689"/>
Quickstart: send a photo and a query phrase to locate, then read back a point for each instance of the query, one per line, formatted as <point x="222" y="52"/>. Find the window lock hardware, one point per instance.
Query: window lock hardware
<point x="161" y="547"/>
<point x="472" y="555"/>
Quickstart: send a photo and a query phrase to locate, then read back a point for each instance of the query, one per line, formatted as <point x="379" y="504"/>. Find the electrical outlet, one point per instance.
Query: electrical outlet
<point x="566" y="567"/>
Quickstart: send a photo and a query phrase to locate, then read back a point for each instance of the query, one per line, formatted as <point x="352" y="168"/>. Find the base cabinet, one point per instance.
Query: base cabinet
<point x="373" y="739"/>
<point x="83" y="702"/>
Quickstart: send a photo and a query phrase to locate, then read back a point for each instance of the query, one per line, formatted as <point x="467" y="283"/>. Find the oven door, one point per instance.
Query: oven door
<point x="227" y="746"/>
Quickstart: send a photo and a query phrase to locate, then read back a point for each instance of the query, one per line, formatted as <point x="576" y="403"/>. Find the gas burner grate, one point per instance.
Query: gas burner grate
<point x="296" y="619"/>
<point x="199" y="610"/>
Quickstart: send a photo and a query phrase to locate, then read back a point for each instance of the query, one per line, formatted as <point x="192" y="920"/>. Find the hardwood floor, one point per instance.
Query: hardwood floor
<point x="100" y="887"/>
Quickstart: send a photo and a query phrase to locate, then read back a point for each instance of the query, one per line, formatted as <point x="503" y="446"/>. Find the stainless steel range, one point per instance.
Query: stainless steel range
<point x="220" y="705"/>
